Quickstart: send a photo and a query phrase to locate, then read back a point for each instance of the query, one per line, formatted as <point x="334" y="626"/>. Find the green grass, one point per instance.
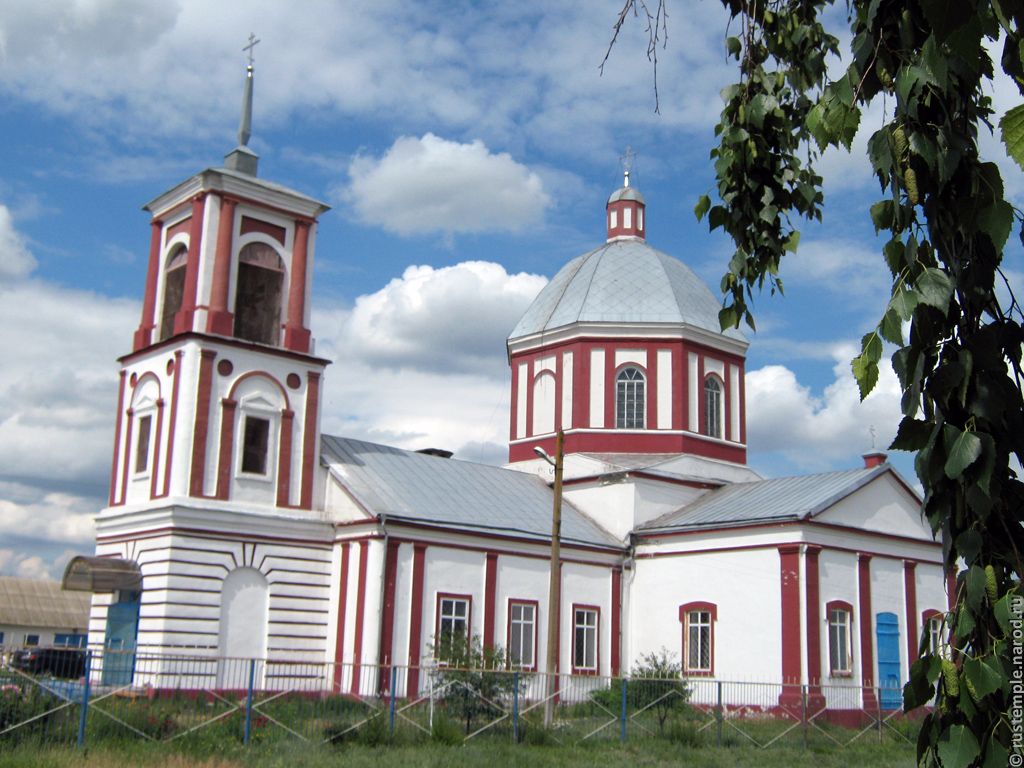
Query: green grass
<point x="649" y="754"/>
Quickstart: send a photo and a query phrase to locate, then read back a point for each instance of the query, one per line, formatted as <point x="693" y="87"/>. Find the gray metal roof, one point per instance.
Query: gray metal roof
<point x="459" y="494"/>
<point x="627" y="193"/>
<point x="624" y="281"/>
<point x="38" y="603"/>
<point x="786" y="498"/>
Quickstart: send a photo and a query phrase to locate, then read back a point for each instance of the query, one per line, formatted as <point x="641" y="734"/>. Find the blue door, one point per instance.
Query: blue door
<point x="887" y="629"/>
<point x="119" y="644"/>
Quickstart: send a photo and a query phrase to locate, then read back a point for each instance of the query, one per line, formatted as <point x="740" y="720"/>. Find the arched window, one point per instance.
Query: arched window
<point x="629" y="399"/>
<point x="174" y="290"/>
<point x="258" y="294"/>
<point x="839" y="616"/>
<point x="698" y="620"/>
<point x="712" y="407"/>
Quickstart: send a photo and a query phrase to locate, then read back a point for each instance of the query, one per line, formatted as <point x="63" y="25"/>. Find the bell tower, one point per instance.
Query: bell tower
<point x="219" y="398"/>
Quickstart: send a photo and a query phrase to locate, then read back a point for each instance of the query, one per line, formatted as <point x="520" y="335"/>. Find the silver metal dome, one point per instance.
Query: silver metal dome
<point x="624" y="281"/>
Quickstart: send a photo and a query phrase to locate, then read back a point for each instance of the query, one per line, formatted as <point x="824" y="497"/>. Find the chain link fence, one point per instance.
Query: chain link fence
<point x="108" y="696"/>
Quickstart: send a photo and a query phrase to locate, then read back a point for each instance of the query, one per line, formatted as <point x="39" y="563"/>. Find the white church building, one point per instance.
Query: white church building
<point x="235" y="528"/>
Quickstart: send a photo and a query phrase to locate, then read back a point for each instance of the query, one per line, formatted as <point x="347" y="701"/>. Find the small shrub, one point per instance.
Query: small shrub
<point x="685" y="734"/>
<point x="656" y="683"/>
<point x="444" y="731"/>
<point x="374" y="732"/>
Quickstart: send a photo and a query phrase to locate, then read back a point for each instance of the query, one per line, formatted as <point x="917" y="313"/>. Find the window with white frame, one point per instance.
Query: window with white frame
<point x="142" y="444"/>
<point x="630" y="390"/>
<point x="699" y="630"/>
<point x="840" y="656"/>
<point x="452" y="619"/>
<point x="933" y="631"/>
<point x="584" y="645"/>
<point x="712" y="407"/>
<point x="522" y="634"/>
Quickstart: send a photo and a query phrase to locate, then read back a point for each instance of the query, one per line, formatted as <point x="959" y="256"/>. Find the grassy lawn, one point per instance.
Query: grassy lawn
<point x="652" y="754"/>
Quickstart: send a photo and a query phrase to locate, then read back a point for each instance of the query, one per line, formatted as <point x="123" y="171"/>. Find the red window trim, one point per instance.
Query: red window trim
<point x="576" y="670"/>
<point x="839" y="605"/>
<point x="508" y="631"/>
<point x="684" y="610"/>
<point x="437" y="613"/>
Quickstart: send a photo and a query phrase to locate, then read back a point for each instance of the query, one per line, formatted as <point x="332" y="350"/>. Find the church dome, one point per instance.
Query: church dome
<point x="624" y="281"/>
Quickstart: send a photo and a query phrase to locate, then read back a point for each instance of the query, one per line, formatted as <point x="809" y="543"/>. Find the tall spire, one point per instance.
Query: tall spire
<point x="242" y="158"/>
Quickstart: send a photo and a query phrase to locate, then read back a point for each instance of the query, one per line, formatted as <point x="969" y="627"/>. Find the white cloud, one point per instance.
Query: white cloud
<point x="29" y="513"/>
<point x="15" y="259"/>
<point x="448" y="320"/>
<point x="850" y="268"/>
<point x="430" y="185"/>
<point x="26" y="566"/>
<point x="811" y="431"/>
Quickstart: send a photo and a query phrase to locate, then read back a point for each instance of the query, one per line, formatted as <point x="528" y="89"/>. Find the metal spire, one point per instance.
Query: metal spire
<point x="241" y="158"/>
<point x="625" y="159"/>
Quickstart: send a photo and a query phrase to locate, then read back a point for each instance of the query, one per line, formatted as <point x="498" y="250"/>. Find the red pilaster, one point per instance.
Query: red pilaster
<point x="951" y="589"/>
<point x="813" y="599"/>
<point x="126" y="455"/>
<point x="296" y="336"/>
<point x="910" y="596"/>
<point x="616" y="620"/>
<point x="357" y="643"/>
<point x="789" y="560"/>
<point x="117" y="440"/>
<point x="387" y="620"/>
<point x="220" y="320"/>
<point x="183" y="320"/>
<point x="202" y="425"/>
<point x="227" y="440"/>
<point x="339" y="643"/>
<point x="309" y="445"/>
<point x="284" y="460"/>
<point x="419" y="552"/>
<point x="174" y="420"/>
<point x="867" y="650"/>
<point x="144" y="335"/>
<point x="490" y="597"/>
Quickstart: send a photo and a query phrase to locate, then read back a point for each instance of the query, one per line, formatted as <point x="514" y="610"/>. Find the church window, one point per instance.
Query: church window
<point x="255" y="443"/>
<point x="31" y="639"/>
<point x="627" y="217"/>
<point x="522" y="634"/>
<point x="452" y="624"/>
<point x="142" y="444"/>
<point x="258" y="294"/>
<point x="614" y="221"/>
<point x="839" y="651"/>
<point x="698" y="637"/>
<point x="712" y="407"/>
<point x="630" y="399"/>
<point x="584" y="639"/>
<point x="639" y="218"/>
<point x="933" y="631"/>
<point x="174" y="290"/>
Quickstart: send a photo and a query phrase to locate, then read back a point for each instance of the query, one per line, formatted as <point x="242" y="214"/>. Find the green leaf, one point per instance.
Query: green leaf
<point x="965" y="451"/>
<point x="703" y="206"/>
<point x="969" y="544"/>
<point x="904" y="301"/>
<point x="919" y="691"/>
<point x="934" y="288"/>
<point x="728" y="318"/>
<point x="891" y="329"/>
<point x="882" y="215"/>
<point x="946" y="16"/>
<point x="733" y="46"/>
<point x="997" y="221"/>
<point x="985" y="680"/>
<point x="865" y="371"/>
<point x="975" y="580"/>
<point x="995" y="753"/>
<point x="912" y="435"/>
<point x="871" y="347"/>
<point x="792" y="242"/>
<point x="957" y="747"/>
<point x="1011" y="129"/>
<point x="1004" y="613"/>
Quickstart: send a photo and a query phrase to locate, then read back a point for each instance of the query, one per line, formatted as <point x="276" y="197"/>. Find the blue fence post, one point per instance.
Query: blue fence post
<point x="248" y="700"/>
<point x="515" y="708"/>
<point x="85" y="699"/>
<point x="391" y="706"/>
<point x="623" y="709"/>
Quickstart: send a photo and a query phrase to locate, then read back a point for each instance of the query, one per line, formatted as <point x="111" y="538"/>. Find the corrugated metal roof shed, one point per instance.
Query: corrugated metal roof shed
<point x="37" y="603"/>
<point x="459" y="494"/>
<point x="786" y="498"/>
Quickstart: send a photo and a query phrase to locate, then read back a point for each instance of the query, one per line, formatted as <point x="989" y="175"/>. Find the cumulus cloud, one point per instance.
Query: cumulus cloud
<point x="15" y="259"/>
<point x="54" y="517"/>
<point x="813" y="432"/>
<point x="429" y="185"/>
<point x="448" y="320"/>
<point x="26" y="566"/>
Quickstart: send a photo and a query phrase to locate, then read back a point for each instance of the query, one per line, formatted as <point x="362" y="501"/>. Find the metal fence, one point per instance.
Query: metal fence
<point x="122" y="696"/>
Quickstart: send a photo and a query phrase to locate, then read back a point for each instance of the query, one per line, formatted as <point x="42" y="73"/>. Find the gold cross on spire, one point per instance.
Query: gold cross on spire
<point x="252" y="44"/>
<point x="624" y="159"/>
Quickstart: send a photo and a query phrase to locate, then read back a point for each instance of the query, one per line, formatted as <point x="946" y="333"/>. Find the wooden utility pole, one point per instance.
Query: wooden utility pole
<point x="555" y="580"/>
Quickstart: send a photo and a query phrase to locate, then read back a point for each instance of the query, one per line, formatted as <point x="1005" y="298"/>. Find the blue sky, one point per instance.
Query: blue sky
<point x="466" y="149"/>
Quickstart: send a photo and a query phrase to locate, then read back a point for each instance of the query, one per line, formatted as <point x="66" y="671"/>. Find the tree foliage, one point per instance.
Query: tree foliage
<point x="946" y="223"/>
<point x="655" y="683"/>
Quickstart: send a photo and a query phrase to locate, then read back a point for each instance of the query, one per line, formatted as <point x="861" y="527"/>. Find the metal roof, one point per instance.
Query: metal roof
<point x="38" y="603"/>
<point x="624" y="281"/>
<point x="459" y="494"/>
<point x="786" y="498"/>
